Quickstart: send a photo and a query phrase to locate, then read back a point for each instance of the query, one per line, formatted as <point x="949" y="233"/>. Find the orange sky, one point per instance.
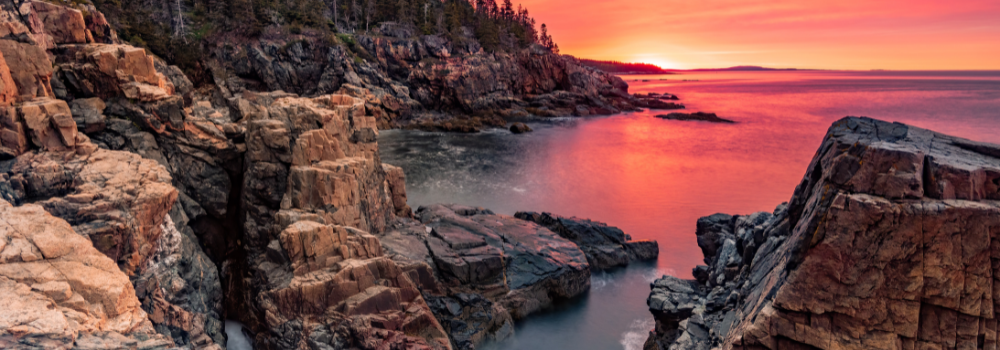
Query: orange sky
<point x="824" y="34"/>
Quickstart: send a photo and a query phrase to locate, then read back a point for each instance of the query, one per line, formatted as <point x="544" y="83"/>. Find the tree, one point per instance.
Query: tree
<point x="545" y="39"/>
<point x="369" y="12"/>
<point x="507" y="11"/>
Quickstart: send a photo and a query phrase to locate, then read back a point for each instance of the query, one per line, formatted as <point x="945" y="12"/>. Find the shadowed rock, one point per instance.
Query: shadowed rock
<point x="698" y="116"/>
<point x="889" y="242"/>
<point x="605" y="246"/>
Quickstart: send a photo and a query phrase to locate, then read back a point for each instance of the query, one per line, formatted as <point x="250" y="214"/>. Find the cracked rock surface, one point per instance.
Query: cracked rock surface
<point x="890" y="242"/>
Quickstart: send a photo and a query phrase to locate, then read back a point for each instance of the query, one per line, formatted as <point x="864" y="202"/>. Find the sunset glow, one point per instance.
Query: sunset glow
<point x="849" y="34"/>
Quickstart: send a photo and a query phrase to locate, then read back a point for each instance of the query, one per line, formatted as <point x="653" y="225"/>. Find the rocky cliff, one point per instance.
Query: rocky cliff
<point x="889" y="242"/>
<point x="140" y="211"/>
<point x="446" y="80"/>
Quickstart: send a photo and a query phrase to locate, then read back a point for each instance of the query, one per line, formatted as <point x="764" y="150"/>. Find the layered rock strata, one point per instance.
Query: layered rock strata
<point x="124" y="204"/>
<point x="605" y="246"/>
<point x="889" y="242"/>
<point x="492" y="268"/>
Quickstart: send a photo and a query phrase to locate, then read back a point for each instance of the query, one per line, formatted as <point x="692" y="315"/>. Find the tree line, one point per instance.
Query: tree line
<point x="175" y="29"/>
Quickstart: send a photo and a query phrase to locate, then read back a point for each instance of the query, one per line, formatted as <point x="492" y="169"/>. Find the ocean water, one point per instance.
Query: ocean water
<point x="654" y="178"/>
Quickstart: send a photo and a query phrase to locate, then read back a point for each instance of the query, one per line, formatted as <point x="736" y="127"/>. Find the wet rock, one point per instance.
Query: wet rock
<point x="519" y="128"/>
<point x="605" y="246"/>
<point x="884" y="245"/>
<point x="492" y="268"/>
<point x="699" y="116"/>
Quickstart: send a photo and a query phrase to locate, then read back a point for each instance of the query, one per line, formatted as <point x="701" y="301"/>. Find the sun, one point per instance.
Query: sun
<point x="657" y="60"/>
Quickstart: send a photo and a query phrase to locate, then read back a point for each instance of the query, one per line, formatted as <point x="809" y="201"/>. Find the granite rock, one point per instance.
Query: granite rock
<point x="888" y="243"/>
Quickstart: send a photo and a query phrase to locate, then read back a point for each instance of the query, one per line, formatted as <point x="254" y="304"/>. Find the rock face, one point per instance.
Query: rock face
<point x="605" y="246"/>
<point x="889" y="242"/>
<point x="58" y="292"/>
<point x="122" y="204"/>
<point x="492" y="268"/>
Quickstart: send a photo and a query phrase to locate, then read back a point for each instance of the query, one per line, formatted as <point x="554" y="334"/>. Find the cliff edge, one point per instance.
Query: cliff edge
<point x="891" y="241"/>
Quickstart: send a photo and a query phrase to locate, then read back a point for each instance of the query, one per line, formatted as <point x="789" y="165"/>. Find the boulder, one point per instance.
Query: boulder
<point x="605" y="246"/>
<point x="887" y="243"/>
<point x="519" y="128"/>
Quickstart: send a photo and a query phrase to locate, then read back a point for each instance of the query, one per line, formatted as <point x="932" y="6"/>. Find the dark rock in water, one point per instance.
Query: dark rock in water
<point x="471" y="319"/>
<point x="493" y="268"/>
<point x="520" y="128"/>
<point x="605" y="246"/>
<point x="889" y="242"/>
<point x="700" y="116"/>
<point x="656" y="103"/>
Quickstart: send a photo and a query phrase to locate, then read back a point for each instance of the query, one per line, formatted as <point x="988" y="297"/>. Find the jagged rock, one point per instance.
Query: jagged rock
<point x="116" y="199"/>
<point x="887" y="243"/>
<point x="119" y="202"/>
<point x="339" y="274"/>
<point x="493" y="268"/>
<point x="63" y="24"/>
<point x="58" y="292"/>
<point x="8" y="88"/>
<point x="107" y="70"/>
<point x="471" y="319"/>
<point x="30" y="68"/>
<point x="395" y="180"/>
<point x="605" y="246"/>
<point x="523" y="266"/>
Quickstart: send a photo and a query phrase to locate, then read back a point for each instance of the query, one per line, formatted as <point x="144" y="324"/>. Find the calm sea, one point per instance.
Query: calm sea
<point x="654" y="178"/>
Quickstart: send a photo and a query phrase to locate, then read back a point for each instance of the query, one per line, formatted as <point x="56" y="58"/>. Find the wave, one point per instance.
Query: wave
<point x="238" y="340"/>
<point x="635" y="337"/>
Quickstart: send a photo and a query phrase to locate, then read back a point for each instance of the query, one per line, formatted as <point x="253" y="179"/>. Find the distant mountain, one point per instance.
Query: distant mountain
<point x="616" y="67"/>
<point x="739" y="68"/>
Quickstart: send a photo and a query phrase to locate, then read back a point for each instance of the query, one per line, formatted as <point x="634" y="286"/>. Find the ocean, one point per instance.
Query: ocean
<point x="654" y="178"/>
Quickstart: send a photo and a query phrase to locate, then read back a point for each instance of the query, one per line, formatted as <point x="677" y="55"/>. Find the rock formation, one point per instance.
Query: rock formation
<point x="492" y="268"/>
<point x="605" y="246"/>
<point x="889" y="242"/>
<point x="699" y="116"/>
<point x="188" y="205"/>
<point x="58" y="292"/>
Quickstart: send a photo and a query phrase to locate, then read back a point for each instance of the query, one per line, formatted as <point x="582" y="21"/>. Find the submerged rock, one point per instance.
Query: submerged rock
<point x="699" y="116"/>
<point x="887" y="243"/>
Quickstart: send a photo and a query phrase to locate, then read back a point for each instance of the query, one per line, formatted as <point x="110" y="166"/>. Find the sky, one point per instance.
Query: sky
<point x="818" y="34"/>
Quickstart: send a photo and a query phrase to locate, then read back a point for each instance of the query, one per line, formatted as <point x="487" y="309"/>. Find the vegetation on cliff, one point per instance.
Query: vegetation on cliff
<point x="618" y="67"/>
<point x="179" y="30"/>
